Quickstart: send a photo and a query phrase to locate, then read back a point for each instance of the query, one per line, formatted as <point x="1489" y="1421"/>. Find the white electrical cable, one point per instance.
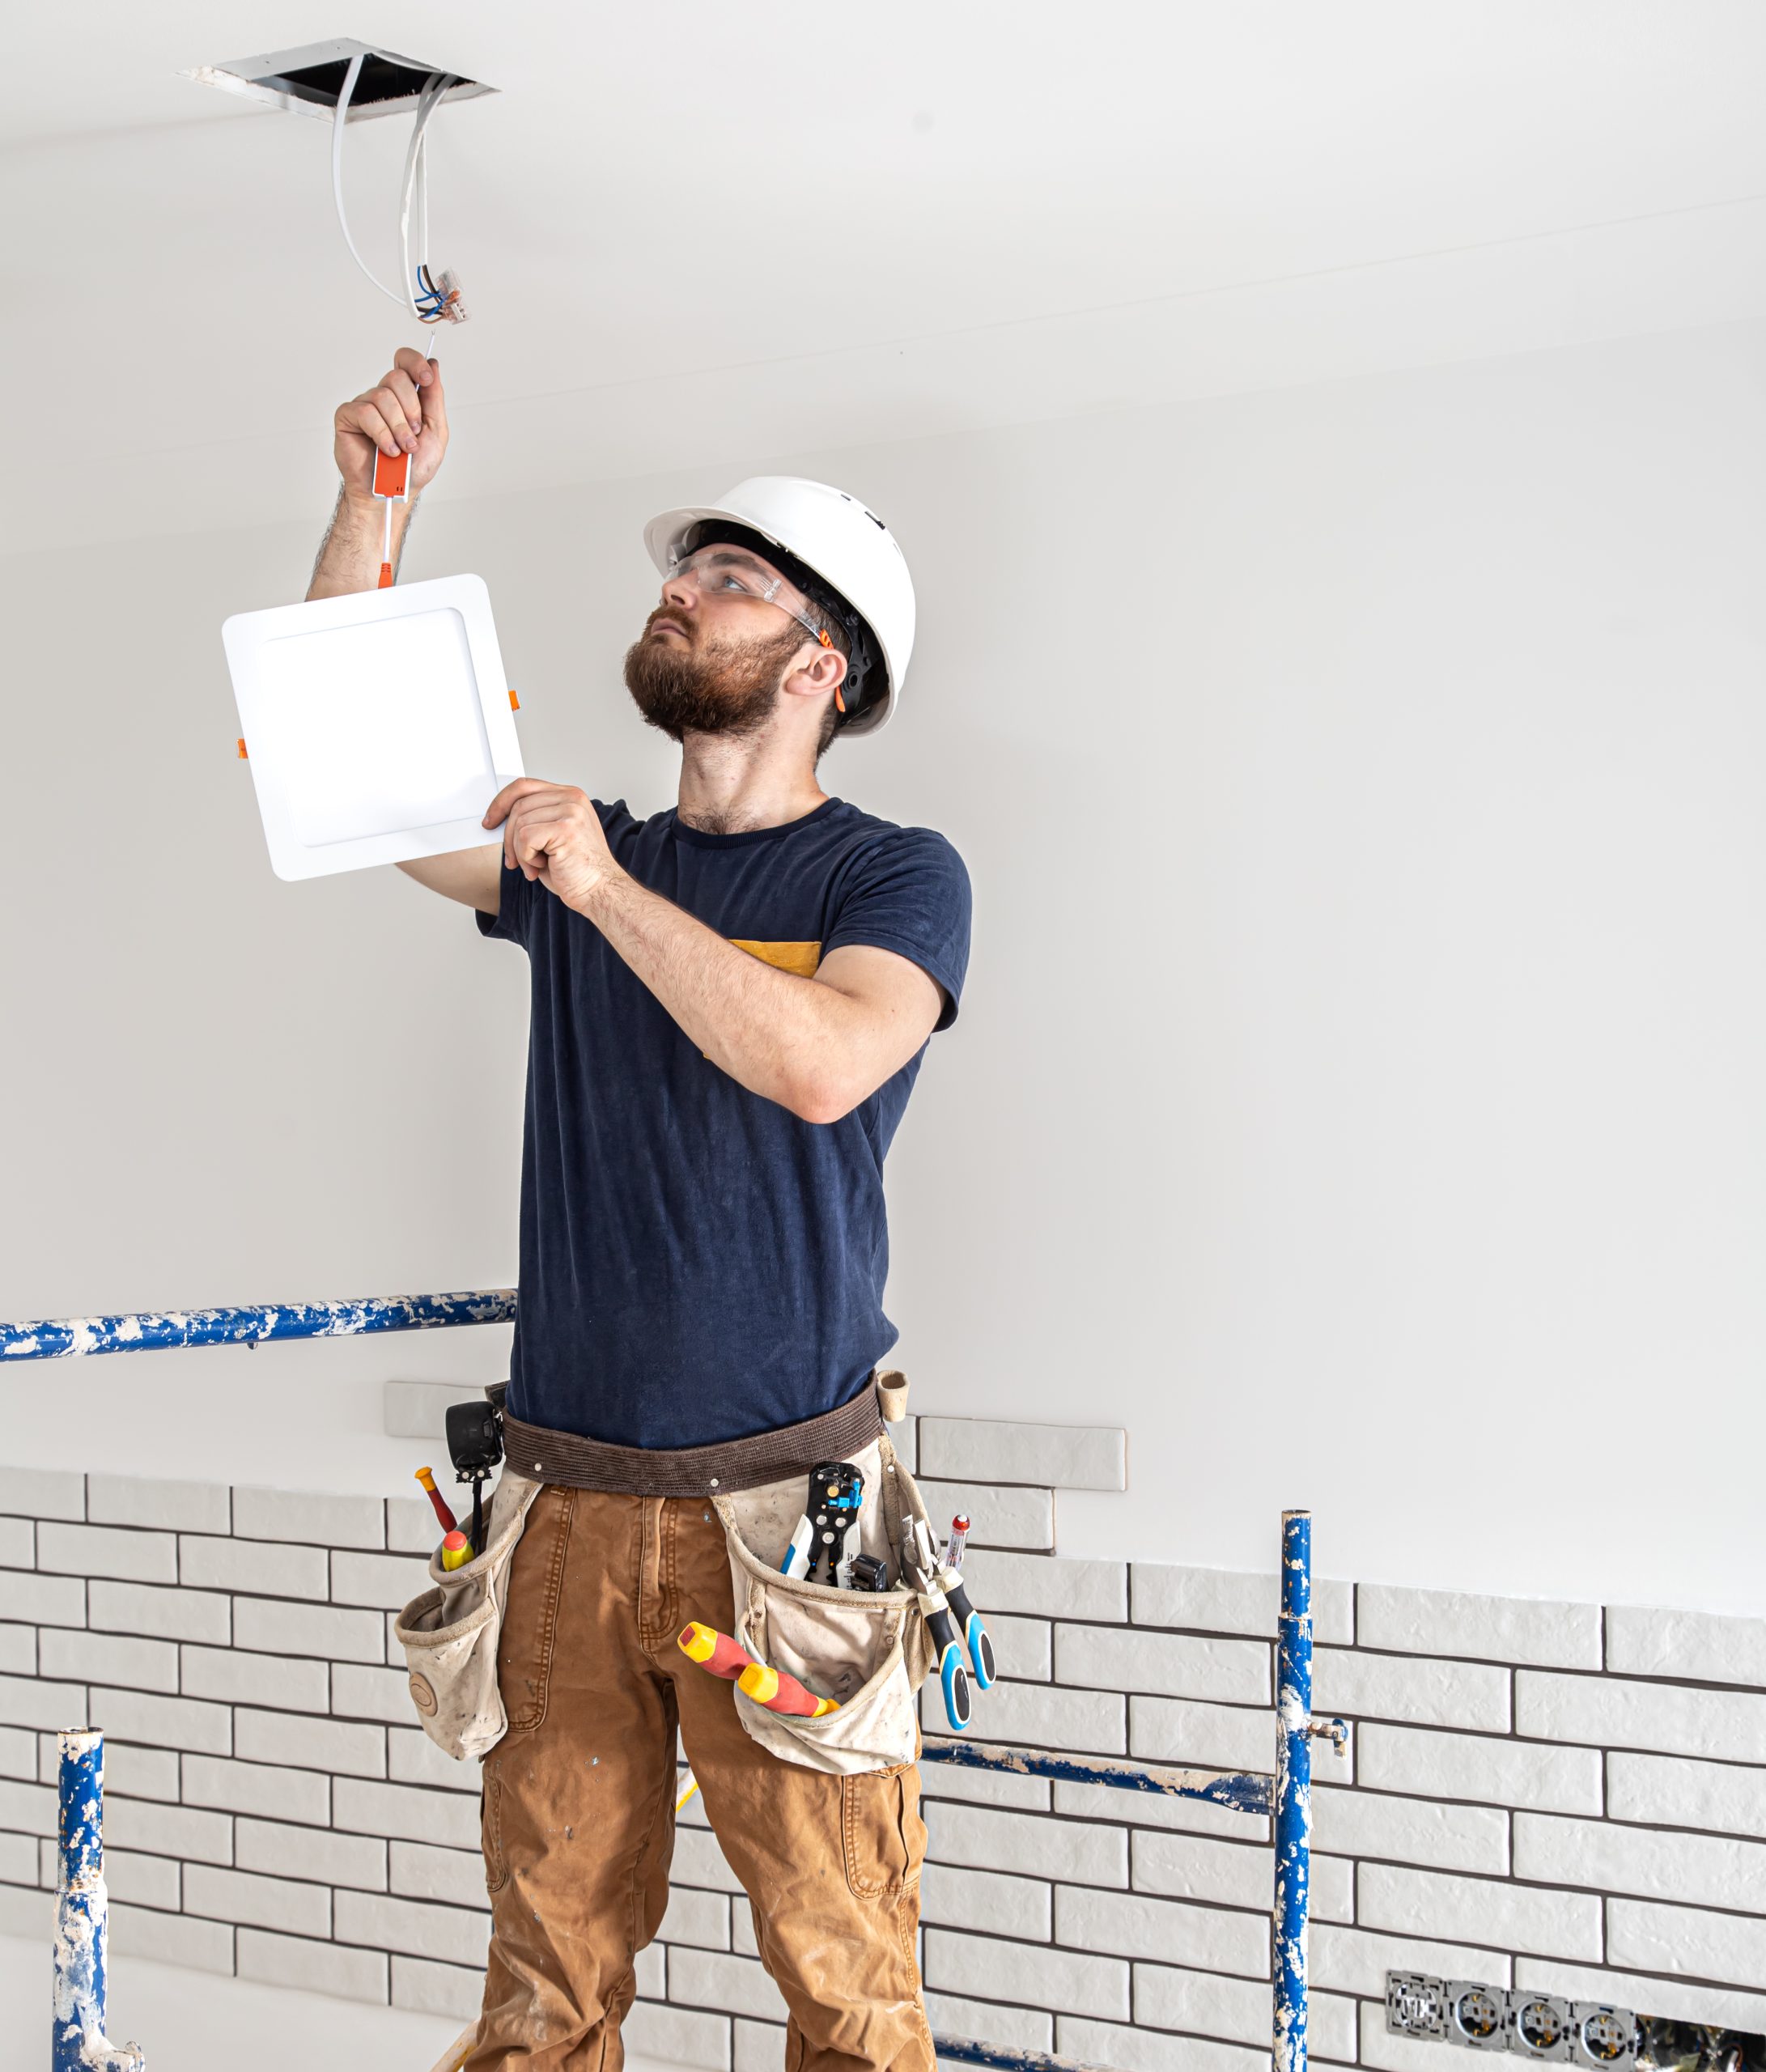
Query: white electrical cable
<point x="338" y="114"/>
<point x="415" y="162"/>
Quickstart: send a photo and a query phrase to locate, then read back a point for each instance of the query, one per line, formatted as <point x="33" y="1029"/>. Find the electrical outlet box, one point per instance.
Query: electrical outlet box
<point x="1415" y="2004"/>
<point x="309" y="80"/>
<point x="1477" y="2015"/>
<point x="1540" y="2026"/>
<point x="1602" y="2037"/>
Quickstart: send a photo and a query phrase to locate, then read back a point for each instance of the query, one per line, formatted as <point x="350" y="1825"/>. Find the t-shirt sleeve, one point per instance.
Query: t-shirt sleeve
<point x="515" y="907"/>
<point x="909" y="893"/>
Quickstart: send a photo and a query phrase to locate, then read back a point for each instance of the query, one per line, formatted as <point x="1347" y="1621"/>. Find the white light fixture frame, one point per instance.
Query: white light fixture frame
<point x="378" y="726"/>
<point x="254" y="79"/>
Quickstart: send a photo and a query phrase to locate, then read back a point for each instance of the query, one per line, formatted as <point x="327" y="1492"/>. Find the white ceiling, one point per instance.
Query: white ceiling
<point x="689" y="234"/>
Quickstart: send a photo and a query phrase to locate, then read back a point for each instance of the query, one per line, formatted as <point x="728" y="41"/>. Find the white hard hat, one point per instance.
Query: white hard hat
<point x="836" y="538"/>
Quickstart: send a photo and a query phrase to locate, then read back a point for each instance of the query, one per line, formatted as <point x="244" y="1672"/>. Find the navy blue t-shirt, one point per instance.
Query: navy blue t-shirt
<point x="698" y="1264"/>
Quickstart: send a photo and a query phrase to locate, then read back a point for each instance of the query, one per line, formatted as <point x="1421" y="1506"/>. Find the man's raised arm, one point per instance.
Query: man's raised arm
<point x="406" y="412"/>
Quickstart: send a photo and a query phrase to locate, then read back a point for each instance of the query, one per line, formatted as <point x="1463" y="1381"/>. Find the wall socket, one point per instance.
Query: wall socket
<point x="1538" y="2025"/>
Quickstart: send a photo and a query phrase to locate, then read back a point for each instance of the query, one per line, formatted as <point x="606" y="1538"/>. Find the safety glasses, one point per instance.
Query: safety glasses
<point x="729" y="572"/>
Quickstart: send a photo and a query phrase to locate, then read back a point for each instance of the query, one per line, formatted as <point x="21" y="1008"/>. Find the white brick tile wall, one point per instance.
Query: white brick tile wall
<point x="263" y="1570"/>
<point x="1170" y="1665"/>
<point x="1653" y="1938"/>
<point x="756" y="2046"/>
<point x="233" y="1676"/>
<point x="1466" y="1766"/>
<point x="940" y="1780"/>
<point x="1352" y="1960"/>
<point x="148" y="1881"/>
<point x="27" y="1913"/>
<point x="1233" y="1601"/>
<point x="1444" y="1837"/>
<point x="1675" y="1999"/>
<point x="1452" y="1908"/>
<point x="714" y="1979"/>
<point x="1427" y="1693"/>
<point x="1717" y="1870"/>
<point x="1147" y="2050"/>
<point x="418" y="1871"/>
<point x="1384" y="2053"/>
<point x="310" y="1519"/>
<point x="171" y="1938"/>
<point x="1028" y="1844"/>
<point x="43" y="1493"/>
<point x="359" y="1691"/>
<point x="1231" y="1874"/>
<point x="281" y="1794"/>
<point x="162" y="1722"/>
<point x="88" y="1658"/>
<point x="241" y="1896"/>
<point x="1631" y="1797"/>
<point x="1065" y="1981"/>
<point x="327" y="1631"/>
<point x="1676" y="1793"/>
<point x="982" y="2021"/>
<point x="1047" y="1586"/>
<point x="1020" y="1519"/>
<point x="1186" y="1730"/>
<point x="386" y="1581"/>
<point x="428" y="1988"/>
<point x="97" y="1550"/>
<point x="313" y="1967"/>
<point x="1169" y="1931"/>
<point x="1704" y="1646"/>
<point x="170" y="1507"/>
<point x="1057" y="1456"/>
<point x="1541" y="1632"/>
<point x="174" y="1615"/>
<point x="1038" y="1715"/>
<point x="185" y="1831"/>
<point x="43" y="1600"/>
<point x="960" y="1898"/>
<point x="410" y="1521"/>
<point x="277" y="1849"/>
<point x="1607" y="1711"/>
<point x="443" y="1817"/>
<point x="338" y="1746"/>
<point x="452" y="1934"/>
<point x="702" y="1919"/>
<point x="677" y="2035"/>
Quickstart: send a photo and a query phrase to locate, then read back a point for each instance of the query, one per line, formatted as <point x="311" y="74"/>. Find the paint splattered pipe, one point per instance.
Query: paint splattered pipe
<point x="1293" y="1790"/>
<point x="67" y="1338"/>
<point x="81" y="1922"/>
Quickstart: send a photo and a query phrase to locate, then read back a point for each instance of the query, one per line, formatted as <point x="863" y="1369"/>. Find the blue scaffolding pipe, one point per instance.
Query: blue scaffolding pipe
<point x="79" y="1947"/>
<point x="81" y="1916"/>
<point x="70" y="1338"/>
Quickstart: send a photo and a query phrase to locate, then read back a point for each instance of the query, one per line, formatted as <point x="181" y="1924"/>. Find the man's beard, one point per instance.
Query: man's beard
<point x="696" y="686"/>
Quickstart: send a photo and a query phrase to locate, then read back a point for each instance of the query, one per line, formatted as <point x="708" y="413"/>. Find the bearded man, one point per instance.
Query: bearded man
<point x="730" y="1000"/>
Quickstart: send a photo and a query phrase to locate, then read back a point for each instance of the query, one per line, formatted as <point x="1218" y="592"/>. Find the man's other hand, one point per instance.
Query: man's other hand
<point x="552" y="832"/>
<point x="406" y="412"/>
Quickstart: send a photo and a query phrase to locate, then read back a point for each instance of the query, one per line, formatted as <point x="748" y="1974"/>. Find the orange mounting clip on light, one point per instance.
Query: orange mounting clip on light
<point x="392" y="483"/>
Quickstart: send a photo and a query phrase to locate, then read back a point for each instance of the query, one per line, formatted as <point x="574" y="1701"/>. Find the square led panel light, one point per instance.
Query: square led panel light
<point x="377" y="726"/>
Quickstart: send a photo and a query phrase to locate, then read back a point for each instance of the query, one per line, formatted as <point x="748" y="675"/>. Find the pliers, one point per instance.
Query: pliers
<point x="948" y="1579"/>
<point x="952" y="1677"/>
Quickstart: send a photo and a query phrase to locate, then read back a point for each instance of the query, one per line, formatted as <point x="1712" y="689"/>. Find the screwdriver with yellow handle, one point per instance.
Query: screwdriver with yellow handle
<point x="777" y="1689"/>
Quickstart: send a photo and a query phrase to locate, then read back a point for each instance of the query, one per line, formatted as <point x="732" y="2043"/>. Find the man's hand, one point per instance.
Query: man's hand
<point x="552" y="833"/>
<point x="406" y="412"/>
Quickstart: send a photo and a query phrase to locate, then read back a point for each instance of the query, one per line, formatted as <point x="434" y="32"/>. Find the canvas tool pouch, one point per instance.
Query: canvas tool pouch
<point x="869" y="1649"/>
<point x="449" y="1634"/>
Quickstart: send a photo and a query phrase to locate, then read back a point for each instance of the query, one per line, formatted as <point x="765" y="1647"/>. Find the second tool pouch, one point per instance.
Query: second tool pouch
<point x="450" y="1633"/>
<point x="868" y="1649"/>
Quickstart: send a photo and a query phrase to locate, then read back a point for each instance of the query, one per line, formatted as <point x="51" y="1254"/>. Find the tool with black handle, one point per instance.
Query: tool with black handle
<point x="948" y="1579"/>
<point x="953" y="1675"/>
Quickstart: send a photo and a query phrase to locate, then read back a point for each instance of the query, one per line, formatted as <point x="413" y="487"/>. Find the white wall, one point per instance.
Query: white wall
<point x="1357" y="1092"/>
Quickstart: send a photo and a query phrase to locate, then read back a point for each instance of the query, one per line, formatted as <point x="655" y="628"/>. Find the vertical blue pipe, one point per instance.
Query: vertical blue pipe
<point x="1293" y="1790"/>
<point x="82" y="1916"/>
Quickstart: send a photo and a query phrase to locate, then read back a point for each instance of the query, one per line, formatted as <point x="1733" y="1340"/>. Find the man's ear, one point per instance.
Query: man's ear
<point x="825" y="669"/>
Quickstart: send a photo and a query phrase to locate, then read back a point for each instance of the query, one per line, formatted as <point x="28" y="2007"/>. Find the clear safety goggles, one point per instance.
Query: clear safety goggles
<point x="732" y="572"/>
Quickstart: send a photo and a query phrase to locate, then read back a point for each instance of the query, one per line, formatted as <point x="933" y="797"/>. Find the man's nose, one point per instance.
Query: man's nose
<point x="680" y="592"/>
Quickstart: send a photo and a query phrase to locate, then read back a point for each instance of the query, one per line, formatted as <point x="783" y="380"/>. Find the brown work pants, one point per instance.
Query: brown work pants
<point x="578" y="1808"/>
